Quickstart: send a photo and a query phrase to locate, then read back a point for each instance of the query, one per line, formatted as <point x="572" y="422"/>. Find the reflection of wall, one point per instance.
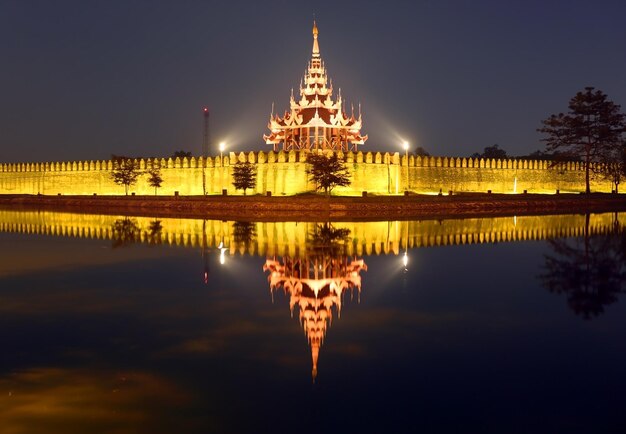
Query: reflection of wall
<point x="289" y="238"/>
<point x="284" y="173"/>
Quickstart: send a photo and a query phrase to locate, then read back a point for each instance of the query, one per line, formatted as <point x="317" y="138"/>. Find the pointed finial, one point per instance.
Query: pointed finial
<point x="316" y="47"/>
<point x="272" y="109"/>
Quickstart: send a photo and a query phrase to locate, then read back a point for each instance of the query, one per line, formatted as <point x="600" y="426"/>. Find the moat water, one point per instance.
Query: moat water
<point x="143" y="325"/>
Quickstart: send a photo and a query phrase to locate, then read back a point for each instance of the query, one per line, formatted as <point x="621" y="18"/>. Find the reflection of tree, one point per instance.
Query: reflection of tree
<point x="328" y="240"/>
<point x="244" y="233"/>
<point x="125" y="232"/>
<point x="154" y="232"/>
<point x="590" y="270"/>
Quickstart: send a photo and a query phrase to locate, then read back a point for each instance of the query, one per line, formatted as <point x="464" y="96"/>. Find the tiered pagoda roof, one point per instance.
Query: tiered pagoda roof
<point x="315" y="120"/>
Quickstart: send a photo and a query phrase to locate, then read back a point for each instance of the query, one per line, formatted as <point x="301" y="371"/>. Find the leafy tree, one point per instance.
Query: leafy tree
<point x="125" y="171"/>
<point x="327" y="172"/>
<point x="244" y="176"/>
<point x="590" y="130"/>
<point x="491" y="152"/>
<point x="154" y="177"/>
<point x="181" y="154"/>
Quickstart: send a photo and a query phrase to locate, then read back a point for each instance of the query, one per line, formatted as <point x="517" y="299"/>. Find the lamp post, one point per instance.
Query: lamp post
<point x="222" y="147"/>
<point x="405" y="145"/>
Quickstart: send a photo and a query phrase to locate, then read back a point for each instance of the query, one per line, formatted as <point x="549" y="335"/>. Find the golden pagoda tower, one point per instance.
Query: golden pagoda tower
<point x="316" y="285"/>
<point x="315" y="121"/>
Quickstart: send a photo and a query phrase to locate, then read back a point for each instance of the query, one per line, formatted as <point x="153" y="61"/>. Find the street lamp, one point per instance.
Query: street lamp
<point x="405" y="145"/>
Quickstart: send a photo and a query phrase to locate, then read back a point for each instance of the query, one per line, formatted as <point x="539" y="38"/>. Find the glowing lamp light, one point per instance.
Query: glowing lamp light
<point x="222" y="146"/>
<point x="405" y="259"/>
<point x="405" y="145"/>
<point x="222" y="251"/>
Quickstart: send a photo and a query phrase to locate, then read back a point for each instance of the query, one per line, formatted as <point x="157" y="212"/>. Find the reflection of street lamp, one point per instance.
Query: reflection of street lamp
<point x="405" y="260"/>
<point x="222" y="147"/>
<point x="405" y="145"/>
<point x="222" y="251"/>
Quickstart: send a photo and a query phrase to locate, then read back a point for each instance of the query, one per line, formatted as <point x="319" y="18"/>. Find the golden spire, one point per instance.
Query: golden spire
<point x="316" y="47"/>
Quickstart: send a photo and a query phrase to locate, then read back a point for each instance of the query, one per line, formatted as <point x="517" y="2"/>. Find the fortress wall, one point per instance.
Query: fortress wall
<point x="285" y="173"/>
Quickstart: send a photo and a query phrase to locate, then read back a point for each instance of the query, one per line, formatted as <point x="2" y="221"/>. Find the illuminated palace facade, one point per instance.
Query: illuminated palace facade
<point x="315" y="121"/>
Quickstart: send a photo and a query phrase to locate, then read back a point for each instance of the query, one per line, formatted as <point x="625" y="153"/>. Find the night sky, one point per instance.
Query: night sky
<point x="83" y="80"/>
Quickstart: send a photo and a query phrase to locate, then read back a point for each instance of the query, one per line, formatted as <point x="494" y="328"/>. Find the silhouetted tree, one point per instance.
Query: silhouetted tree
<point x="590" y="270"/>
<point x="589" y="131"/>
<point x="244" y="176"/>
<point x="181" y="154"/>
<point x="154" y="176"/>
<point x="125" y="232"/>
<point x="547" y="156"/>
<point x="614" y="168"/>
<point x="327" y="172"/>
<point x="491" y="152"/>
<point x="421" y="152"/>
<point x="125" y="171"/>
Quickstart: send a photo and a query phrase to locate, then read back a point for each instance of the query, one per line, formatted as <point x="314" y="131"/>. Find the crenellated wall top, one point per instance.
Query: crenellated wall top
<point x="290" y="157"/>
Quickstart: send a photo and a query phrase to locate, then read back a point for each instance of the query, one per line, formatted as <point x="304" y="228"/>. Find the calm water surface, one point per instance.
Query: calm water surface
<point x="114" y="324"/>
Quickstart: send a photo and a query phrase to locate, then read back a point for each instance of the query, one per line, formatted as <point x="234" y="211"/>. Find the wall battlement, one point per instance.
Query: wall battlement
<point x="285" y="173"/>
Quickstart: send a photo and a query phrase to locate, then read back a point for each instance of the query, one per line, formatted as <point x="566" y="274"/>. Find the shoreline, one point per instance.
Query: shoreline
<point x="311" y="207"/>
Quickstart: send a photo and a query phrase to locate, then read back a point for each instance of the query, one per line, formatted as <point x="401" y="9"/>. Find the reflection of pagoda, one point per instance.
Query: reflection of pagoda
<point x="315" y="120"/>
<point x="315" y="284"/>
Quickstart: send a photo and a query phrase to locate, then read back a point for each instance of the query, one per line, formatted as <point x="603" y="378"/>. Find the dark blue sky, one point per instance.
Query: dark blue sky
<point x="82" y="80"/>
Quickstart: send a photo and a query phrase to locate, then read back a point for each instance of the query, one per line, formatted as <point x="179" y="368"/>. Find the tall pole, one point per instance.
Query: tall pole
<point x="222" y="147"/>
<point x="406" y="151"/>
<point x="205" y="148"/>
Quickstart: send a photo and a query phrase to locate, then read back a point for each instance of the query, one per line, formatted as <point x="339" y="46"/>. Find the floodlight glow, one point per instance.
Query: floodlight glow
<point x="222" y="146"/>
<point x="405" y="145"/>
